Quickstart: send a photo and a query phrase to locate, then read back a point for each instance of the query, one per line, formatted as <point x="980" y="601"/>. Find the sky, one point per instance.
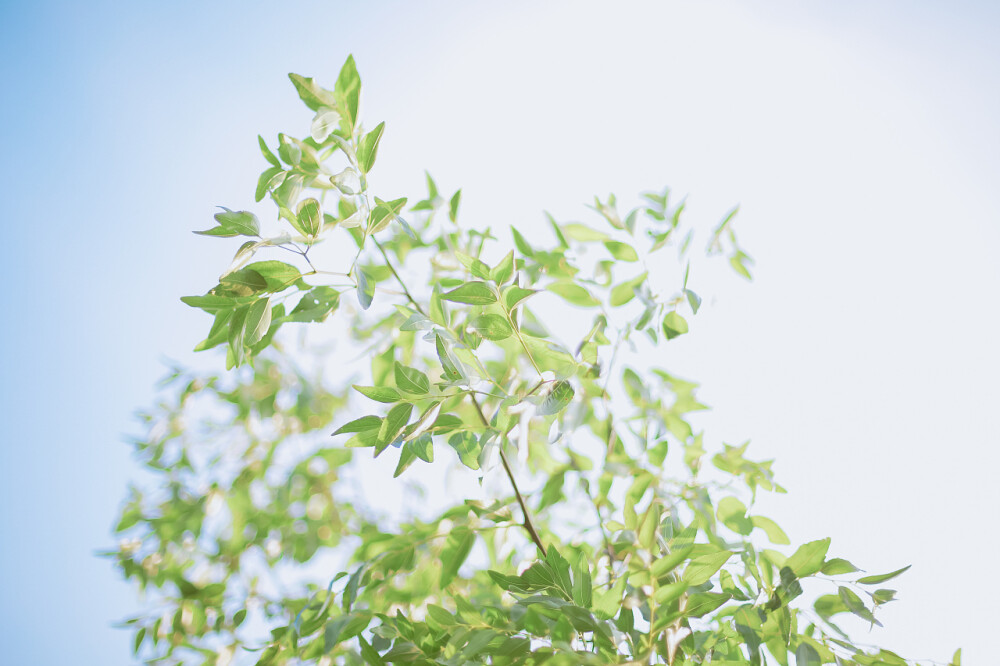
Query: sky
<point x="858" y="138"/>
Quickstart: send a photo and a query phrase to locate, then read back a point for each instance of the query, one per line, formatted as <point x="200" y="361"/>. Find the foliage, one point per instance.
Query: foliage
<point x="623" y="540"/>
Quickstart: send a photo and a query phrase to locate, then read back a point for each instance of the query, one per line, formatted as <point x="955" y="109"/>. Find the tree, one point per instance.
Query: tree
<point x="620" y="537"/>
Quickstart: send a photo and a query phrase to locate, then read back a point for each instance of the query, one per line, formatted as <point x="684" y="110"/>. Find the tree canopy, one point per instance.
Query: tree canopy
<point x="623" y="535"/>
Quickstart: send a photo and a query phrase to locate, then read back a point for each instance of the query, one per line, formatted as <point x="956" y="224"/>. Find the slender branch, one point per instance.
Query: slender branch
<point x="529" y="525"/>
<point x="392" y="268"/>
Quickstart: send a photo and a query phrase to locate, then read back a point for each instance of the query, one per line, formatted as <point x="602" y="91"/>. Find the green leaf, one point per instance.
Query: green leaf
<point x="473" y="293"/>
<point x="806" y="655"/>
<point x="838" y="566"/>
<point x="289" y="151"/>
<point x="732" y="513"/>
<point x="315" y="305"/>
<point x="573" y="293"/>
<point x="702" y="568"/>
<point x="369" y="148"/>
<point x="504" y="270"/>
<point x="449" y="364"/>
<point x="310" y="93"/>
<point x="454" y="553"/>
<point x="343" y="628"/>
<point x="621" y="251"/>
<point x="855" y="605"/>
<point x="360" y="425"/>
<point x="264" y="182"/>
<point x="258" y="321"/>
<point x="625" y="292"/>
<point x="774" y="533"/>
<point x="583" y="233"/>
<point x="378" y="393"/>
<point x="739" y="263"/>
<point x="369" y="654"/>
<point x="557" y="399"/>
<point x="347" y="92"/>
<point x="366" y="288"/>
<point x="674" y="325"/>
<point x="664" y="594"/>
<point x="277" y="274"/>
<point x="607" y="603"/>
<point x="522" y="245"/>
<point x="266" y="152"/>
<point x="881" y="578"/>
<point x="694" y="300"/>
<point x="514" y="294"/>
<point x="310" y="217"/>
<point x="475" y="266"/>
<point x="243" y="282"/>
<point x="392" y="425"/>
<point x="492" y="327"/>
<point x="808" y="559"/>
<point x="411" y="380"/>
<point x="453" y="206"/>
<point x="467" y="447"/>
<point x="669" y="562"/>
<point x="384" y="213"/>
<point x="243" y="223"/>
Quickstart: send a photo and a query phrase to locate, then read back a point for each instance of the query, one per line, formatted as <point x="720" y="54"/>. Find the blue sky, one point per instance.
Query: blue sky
<point x="860" y="139"/>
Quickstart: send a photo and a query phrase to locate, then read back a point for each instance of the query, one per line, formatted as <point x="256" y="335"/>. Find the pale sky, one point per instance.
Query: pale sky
<point x="860" y="140"/>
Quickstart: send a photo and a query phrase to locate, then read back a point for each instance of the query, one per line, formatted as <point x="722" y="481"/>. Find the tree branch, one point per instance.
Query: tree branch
<point x="529" y="525"/>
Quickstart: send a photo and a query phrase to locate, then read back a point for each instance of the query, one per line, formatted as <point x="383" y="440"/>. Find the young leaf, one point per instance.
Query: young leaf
<point x="360" y="425"/>
<point x="315" y="305"/>
<point x="468" y="447"/>
<point x="504" y="270"/>
<point x="453" y="206"/>
<point x="258" y="320"/>
<point x="277" y="275"/>
<point x="473" y="293"/>
<point x="521" y="244"/>
<point x="702" y="568"/>
<point x="456" y="550"/>
<point x="310" y="93"/>
<point x="557" y="400"/>
<point x="475" y="266"/>
<point x="674" y="325"/>
<point x="513" y="295"/>
<point x="808" y="559"/>
<point x="881" y="578"/>
<point x="266" y="152"/>
<point x="491" y="327"/>
<point x="774" y="533"/>
<point x="378" y="393"/>
<point x="369" y="148"/>
<point x="621" y="251"/>
<point x="392" y="425"/>
<point x="838" y="566"/>
<point x="366" y="288"/>
<point x="411" y="380"/>
<point x="449" y="365"/>
<point x="268" y="179"/>
<point x="240" y="222"/>
<point x="625" y="292"/>
<point x="694" y="300"/>
<point x="310" y="217"/>
<point x="347" y="93"/>
<point x="573" y="293"/>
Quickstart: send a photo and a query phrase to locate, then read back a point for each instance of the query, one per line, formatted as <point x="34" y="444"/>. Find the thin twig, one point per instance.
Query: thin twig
<point x="392" y="268"/>
<point x="529" y="525"/>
